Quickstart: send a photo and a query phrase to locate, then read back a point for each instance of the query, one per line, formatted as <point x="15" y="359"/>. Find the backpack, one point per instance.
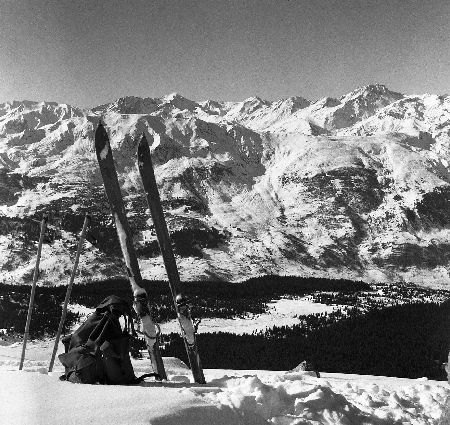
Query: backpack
<point x="99" y="350"/>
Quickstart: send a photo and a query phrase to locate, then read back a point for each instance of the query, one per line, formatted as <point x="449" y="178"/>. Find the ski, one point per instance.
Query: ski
<point x="114" y="195"/>
<point x="181" y="305"/>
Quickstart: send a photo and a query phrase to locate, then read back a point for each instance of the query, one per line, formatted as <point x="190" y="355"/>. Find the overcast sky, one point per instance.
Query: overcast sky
<point x="91" y="52"/>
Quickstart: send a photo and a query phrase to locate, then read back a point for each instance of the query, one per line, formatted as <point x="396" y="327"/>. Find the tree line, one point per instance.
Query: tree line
<point x="209" y="299"/>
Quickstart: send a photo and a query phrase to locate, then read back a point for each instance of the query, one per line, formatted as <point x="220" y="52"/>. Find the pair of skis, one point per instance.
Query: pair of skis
<point x="141" y="302"/>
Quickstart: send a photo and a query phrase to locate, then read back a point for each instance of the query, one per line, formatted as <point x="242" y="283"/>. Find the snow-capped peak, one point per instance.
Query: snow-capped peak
<point x="338" y="184"/>
<point x="255" y="100"/>
<point x="293" y="103"/>
<point x="178" y="101"/>
<point x="326" y="102"/>
<point x="373" y="92"/>
<point x="172" y="96"/>
<point x="130" y="105"/>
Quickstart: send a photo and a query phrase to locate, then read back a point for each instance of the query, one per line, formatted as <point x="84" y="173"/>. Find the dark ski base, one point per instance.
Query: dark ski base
<point x="141" y="303"/>
<point x="182" y="307"/>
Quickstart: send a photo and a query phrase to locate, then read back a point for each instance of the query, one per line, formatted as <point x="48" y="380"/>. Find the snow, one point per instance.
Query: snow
<point x="30" y="200"/>
<point x="251" y="397"/>
<point x="89" y="260"/>
<point x="282" y="172"/>
<point x="282" y="312"/>
<point x="80" y="309"/>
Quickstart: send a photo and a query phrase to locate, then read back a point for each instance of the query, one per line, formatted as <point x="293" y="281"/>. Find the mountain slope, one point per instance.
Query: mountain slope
<point x="356" y="187"/>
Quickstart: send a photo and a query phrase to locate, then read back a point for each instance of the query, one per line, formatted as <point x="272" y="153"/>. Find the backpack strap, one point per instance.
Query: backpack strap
<point x="97" y="336"/>
<point x="129" y="325"/>
<point x="141" y="378"/>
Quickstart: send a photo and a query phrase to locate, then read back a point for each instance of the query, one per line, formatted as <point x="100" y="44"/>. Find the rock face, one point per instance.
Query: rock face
<point x="356" y="187"/>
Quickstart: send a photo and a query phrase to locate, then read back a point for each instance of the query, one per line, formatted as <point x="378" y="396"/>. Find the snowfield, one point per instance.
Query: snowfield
<point x="280" y="312"/>
<point x="233" y="397"/>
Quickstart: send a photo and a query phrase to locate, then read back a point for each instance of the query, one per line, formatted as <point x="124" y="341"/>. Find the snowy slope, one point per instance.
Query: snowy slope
<point x="355" y="187"/>
<point x="229" y="397"/>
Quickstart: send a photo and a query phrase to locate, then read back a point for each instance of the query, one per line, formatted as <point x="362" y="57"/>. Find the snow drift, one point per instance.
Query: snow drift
<point x="229" y="397"/>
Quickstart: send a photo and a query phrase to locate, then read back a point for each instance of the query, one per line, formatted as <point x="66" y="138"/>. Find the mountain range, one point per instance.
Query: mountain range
<point x="356" y="187"/>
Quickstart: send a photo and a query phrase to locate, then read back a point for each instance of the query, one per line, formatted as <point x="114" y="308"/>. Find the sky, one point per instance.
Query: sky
<point x="89" y="52"/>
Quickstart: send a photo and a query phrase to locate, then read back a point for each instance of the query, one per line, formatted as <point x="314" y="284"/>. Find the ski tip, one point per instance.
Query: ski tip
<point x="143" y="140"/>
<point x="101" y="137"/>
<point x="100" y="125"/>
<point x="143" y="149"/>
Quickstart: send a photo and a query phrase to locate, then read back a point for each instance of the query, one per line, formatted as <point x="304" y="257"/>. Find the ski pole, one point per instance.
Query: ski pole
<point x="87" y="219"/>
<point x="33" y="288"/>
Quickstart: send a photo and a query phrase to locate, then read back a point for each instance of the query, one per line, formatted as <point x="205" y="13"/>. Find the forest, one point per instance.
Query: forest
<point x="208" y="298"/>
<point x="393" y="330"/>
<point x="408" y="341"/>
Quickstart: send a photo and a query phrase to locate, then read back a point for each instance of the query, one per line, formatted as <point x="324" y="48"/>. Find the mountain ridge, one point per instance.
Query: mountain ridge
<point x="356" y="187"/>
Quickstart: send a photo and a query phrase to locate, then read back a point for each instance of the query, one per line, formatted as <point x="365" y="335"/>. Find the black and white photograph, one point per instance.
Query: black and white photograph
<point x="225" y="212"/>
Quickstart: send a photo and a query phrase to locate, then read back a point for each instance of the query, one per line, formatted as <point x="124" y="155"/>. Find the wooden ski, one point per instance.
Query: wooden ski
<point x="181" y="305"/>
